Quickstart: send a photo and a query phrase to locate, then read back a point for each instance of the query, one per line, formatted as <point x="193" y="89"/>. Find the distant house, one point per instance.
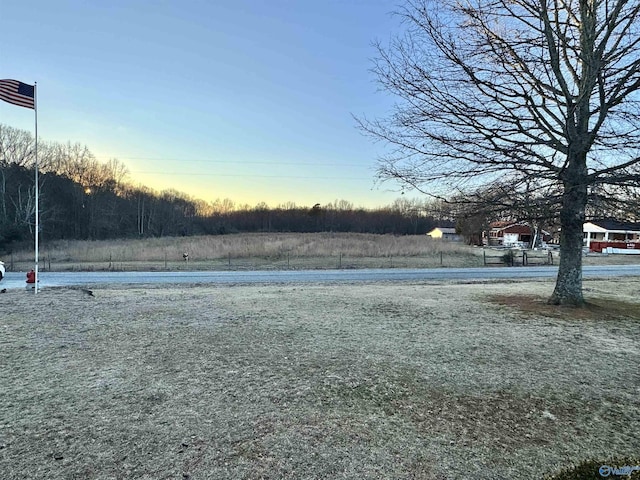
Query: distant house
<point x="512" y="234"/>
<point x="599" y="234"/>
<point x="445" y="233"/>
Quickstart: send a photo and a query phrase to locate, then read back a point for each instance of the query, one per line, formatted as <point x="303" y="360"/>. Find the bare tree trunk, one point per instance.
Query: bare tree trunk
<point x="3" y="191"/>
<point x="568" y="290"/>
<point x="140" y="215"/>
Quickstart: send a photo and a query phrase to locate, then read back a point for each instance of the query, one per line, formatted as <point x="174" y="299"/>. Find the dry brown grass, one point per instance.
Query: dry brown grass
<point x="246" y="245"/>
<point x="253" y="251"/>
<point x="259" y="251"/>
<point x="390" y="381"/>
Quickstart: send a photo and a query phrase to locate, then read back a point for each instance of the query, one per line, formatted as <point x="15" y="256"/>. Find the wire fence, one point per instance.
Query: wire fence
<point x="513" y="258"/>
<point x="479" y="258"/>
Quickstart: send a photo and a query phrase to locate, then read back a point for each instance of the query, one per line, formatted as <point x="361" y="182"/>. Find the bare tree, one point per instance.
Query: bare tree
<point x="16" y="147"/>
<point x="25" y="208"/>
<point x="223" y="207"/>
<point x="528" y="201"/>
<point x="540" y="89"/>
<point x="615" y="202"/>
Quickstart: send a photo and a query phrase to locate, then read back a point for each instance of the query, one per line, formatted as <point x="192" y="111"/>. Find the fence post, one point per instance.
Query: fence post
<point x="440" y="258"/>
<point x="484" y="257"/>
<point x="525" y="261"/>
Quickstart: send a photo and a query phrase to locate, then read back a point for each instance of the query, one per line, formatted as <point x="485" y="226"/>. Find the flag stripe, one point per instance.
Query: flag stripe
<point x="18" y="93"/>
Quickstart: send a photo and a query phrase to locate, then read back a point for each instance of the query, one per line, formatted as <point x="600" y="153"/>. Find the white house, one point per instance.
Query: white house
<point x="610" y="231"/>
<point x="445" y="233"/>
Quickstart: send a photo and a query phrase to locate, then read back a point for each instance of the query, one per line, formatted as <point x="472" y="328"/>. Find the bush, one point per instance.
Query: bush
<point x="591" y="470"/>
<point x="508" y="258"/>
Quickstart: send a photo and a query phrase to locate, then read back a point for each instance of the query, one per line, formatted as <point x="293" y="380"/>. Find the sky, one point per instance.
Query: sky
<point x="242" y="99"/>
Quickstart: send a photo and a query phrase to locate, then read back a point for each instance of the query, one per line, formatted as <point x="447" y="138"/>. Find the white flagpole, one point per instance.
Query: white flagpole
<point x="35" y="105"/>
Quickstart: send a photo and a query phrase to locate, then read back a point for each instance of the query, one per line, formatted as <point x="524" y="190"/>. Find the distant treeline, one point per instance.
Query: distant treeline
<point x="400" y="218"/>
<point x="81" y="198"/>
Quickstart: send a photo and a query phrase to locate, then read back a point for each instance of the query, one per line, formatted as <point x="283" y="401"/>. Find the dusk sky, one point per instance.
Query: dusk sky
<point x="242" y="99"/>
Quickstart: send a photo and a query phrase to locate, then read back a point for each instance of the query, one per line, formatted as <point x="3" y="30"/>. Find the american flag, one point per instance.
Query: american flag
<point x="18" y="93"/>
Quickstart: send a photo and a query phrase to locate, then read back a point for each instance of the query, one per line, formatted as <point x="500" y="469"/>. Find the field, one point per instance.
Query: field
<point x="270" y="251"/>
<point x="353" y="381"/>
<point x="250" y="251"/>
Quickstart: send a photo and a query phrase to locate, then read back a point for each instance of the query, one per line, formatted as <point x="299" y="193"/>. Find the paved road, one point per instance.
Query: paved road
<point x="17" y="280"/>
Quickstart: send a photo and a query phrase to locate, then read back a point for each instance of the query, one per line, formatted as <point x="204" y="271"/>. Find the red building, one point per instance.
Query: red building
<point x="512" y="234"/>
<point x="602" y="234"/>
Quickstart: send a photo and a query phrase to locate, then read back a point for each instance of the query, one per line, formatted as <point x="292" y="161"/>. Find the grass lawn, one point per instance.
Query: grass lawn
<point x="379" y="381"/>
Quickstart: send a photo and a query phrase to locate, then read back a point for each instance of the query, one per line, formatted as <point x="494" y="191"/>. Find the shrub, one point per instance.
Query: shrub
<point x="508" y="258"/>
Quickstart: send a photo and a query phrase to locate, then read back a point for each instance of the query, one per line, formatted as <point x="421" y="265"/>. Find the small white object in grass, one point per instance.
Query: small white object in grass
<point x="549" y="415"/>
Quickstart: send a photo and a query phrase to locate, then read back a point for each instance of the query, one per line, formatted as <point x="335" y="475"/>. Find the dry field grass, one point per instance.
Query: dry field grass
<point x="353" y="381"/>
<point x="264" y="251"/>
<point x="251" y="251"/>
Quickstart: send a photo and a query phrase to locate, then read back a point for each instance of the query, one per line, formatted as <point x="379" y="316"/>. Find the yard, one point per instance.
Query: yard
<point x="392" y="381"/>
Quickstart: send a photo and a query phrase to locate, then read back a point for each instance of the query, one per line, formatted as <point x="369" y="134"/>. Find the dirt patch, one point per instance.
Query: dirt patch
<point x="600" y="309"/>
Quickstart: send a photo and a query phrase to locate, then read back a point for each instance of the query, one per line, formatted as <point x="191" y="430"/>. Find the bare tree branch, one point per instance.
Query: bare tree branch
<point x="543" y="90"/>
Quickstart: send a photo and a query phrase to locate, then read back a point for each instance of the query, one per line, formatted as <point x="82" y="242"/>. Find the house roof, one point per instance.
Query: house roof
<point x="510" y="227"/>
<point x="611" y="224"/>
<point x="526" y="229"/>
<point x="500" y="224"/>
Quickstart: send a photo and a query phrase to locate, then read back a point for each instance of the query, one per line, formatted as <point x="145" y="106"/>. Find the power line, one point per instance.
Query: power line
<point x="200" y="174"/>
<point x="234" y="162"/>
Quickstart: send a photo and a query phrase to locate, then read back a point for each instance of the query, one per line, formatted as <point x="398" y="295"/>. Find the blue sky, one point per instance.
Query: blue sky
<point x="242" y="99"/>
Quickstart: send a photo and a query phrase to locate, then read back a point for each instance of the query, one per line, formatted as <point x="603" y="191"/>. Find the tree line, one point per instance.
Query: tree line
<point x="82" y="198"/>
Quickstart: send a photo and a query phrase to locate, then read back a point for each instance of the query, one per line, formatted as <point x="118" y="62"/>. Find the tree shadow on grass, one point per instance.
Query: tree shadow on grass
<point x="596" y="309"/>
